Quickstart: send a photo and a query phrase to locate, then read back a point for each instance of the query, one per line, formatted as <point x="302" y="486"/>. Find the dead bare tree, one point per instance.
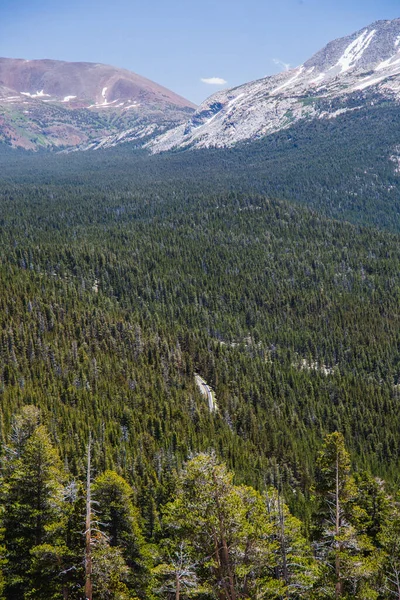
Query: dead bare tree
<point x="88" y="530"/>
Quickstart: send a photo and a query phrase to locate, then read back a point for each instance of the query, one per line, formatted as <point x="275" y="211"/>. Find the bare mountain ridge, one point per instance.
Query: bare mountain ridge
<point x="56" y="103"/>
<point x="344" y="76"/>
<point x="82" y="82"/>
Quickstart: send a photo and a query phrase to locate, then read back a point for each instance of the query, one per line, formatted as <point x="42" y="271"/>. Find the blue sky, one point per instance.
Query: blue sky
<point x="177" y="43"/>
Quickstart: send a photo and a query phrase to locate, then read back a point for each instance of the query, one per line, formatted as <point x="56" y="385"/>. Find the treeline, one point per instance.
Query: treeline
<point x="64" y="537"/>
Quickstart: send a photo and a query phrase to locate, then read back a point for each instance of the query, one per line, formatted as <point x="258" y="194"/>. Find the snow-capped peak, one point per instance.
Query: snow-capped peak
<point x="369" y="58"/>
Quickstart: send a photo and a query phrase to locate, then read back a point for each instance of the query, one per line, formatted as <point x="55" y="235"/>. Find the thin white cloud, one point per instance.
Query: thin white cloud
<point x="214" y="80"/>
<point x="280" y="63"/>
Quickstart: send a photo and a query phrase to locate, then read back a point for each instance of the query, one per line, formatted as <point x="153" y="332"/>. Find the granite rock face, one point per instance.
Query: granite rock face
<point x="346" y="75"/>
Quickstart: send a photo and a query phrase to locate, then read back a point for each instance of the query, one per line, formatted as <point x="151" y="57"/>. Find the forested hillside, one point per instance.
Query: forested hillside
<point x="346" y="167"/>
<point x="118" y="289"/>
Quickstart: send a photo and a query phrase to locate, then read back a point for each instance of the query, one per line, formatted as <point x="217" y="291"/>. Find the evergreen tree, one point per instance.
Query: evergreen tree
<point x="227" y="528"/>
<point x="120" y="521"/>
<point x="295" y="566"/>
<point x="347" y="554"/>
<point x="110" y="573"/>
<point x="33" y="520"/>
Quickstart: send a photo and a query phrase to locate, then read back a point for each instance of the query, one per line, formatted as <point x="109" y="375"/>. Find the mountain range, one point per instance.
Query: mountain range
<point x="55" y="104"/>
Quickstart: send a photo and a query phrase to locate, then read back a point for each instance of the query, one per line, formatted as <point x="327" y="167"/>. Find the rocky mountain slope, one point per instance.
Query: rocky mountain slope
<point x="347" y="74"/>
<point x="59" y="104"/>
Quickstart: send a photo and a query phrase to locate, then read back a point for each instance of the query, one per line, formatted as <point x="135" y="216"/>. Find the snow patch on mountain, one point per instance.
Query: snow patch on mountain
<point x="290" y="82"/>
<point x="337" y="113"/>
<point x="390" y="62"/>
<point x="133" y="105"/>
<point x="355" y="50"/>
<point x="38" y="94"/>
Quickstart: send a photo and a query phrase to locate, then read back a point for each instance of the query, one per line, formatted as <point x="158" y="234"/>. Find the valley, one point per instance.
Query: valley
<point x="115" y="296"/>
<point x="200" y="332"/>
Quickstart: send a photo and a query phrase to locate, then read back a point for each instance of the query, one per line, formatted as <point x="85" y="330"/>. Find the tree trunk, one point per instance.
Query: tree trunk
<point x="397" y="574"/>
<point x="218" y="571"/>
<point x="225" y="560"/>
<point x="88" y="533"/>
<point x="285" y="573"/>
<point x="177" y="587"/>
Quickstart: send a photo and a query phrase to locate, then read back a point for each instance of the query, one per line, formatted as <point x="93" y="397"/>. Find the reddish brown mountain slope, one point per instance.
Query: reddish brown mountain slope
<point x="55" y="103"/>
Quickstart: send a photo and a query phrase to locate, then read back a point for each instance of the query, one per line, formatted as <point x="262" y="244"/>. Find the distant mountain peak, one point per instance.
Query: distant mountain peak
<point x="343" y="76"/>
<point x="41" y="102"/>
<point x="364" y="48"/>
<point x="94" y="82"/>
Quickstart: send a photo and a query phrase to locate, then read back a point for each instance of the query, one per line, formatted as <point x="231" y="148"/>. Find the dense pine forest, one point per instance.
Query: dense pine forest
<point x="122" y="276"/>
<point x="346" y="167"/>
